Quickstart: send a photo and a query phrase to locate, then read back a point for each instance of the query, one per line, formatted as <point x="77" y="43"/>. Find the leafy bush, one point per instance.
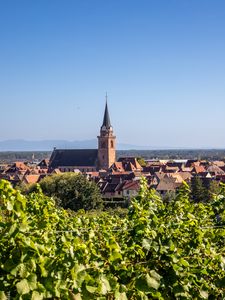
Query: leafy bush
<point x="157" y="251"/>
<point x="73" y="191"/>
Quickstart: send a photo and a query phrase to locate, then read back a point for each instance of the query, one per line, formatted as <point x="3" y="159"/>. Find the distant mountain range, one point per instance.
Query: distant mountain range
<point x="48" y="145"/>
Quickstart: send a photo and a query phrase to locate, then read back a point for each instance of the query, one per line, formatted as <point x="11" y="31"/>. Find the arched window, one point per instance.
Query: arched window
<point x="112" y="144"/>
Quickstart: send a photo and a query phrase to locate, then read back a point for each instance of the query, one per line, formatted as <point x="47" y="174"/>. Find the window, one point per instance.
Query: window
<point x="112" y="144"/>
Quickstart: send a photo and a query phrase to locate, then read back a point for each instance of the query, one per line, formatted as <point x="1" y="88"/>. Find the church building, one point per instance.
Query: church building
<point x="88" y="160"/>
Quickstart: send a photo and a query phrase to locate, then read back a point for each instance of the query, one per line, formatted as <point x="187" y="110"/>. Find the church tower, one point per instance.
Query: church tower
<point x="106" y="143"/>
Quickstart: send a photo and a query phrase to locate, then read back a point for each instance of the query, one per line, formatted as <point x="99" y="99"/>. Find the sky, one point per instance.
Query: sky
<point x="162" y="63"/>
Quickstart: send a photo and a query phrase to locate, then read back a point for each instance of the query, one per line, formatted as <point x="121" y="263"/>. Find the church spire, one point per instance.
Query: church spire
<point x="106" y="142"/>
<point x="106" y="119"/>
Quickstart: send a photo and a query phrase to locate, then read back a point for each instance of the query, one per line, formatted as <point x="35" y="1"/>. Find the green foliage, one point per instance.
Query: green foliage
<point x="156" y="251"/>
<point x="213" y="190"/>
<point x="198" y="191"/>
<point x="73" y="191"/>
<point x="204" y="192"/>
<point x="169" y="196"/>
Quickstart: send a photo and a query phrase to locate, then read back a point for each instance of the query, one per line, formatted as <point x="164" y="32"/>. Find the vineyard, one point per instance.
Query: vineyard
<point x="173" y="250"/>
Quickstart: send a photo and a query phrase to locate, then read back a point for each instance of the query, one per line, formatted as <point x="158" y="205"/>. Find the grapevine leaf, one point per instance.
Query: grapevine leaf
<point x="2" y="296"/>
<point x="155" y="275"/>
<point x="9" y="205"/>
<point x="36" y="296"/>
<point x="91" y="289"/>
<point x="23" y="287"/>
<point x="146" y="244"/>
<point x="184" y="262"/>
<point x="204" y="294"/>
<point x="115" y="255"/>
<point x="152" y="282"/>
<point x="104" y="285"/>
<point x="120" y="296"/>
<point x="32" y="281"/>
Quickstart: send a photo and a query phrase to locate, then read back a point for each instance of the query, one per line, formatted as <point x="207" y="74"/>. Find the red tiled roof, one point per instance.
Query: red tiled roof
<point x="31" y="178"/>
<point x="131" y="185"/>
<point x="199" y="169"/>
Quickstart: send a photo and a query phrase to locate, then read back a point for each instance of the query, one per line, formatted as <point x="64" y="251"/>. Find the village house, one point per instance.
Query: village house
<point x="122" y="179"/>
<point x="116" y="179"/>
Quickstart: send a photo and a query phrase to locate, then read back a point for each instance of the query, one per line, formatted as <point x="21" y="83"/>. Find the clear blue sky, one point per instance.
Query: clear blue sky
<point x="162" y="63"/>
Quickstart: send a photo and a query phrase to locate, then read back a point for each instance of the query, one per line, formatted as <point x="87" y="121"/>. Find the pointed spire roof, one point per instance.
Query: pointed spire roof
<point x="106" y="120"/>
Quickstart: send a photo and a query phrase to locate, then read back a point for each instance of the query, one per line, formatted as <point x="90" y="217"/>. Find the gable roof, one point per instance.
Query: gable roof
<point x="73" y="158"/>
<point x="215" y="169"/>
<point x="132" y="185"/>
<point x="167" y="184"/>
<point x="16" y="167"/>
<point x="219" y="163"/>
<point x="118" y="166"/>
<point x="43" y="163"/>
<point x="130" y="160"/>
<point x="31" y="178"/>
<point x="198" y="169"/>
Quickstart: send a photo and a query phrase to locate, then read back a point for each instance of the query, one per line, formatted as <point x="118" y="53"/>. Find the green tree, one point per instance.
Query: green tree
<point x="198" y="191"/>
<point x="169" y="196"/>
<point x="73" y="191"/>
<point x="213" y="190"/>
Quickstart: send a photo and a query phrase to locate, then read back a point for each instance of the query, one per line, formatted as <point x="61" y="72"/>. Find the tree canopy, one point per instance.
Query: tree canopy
<point x="73" y="191"/>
